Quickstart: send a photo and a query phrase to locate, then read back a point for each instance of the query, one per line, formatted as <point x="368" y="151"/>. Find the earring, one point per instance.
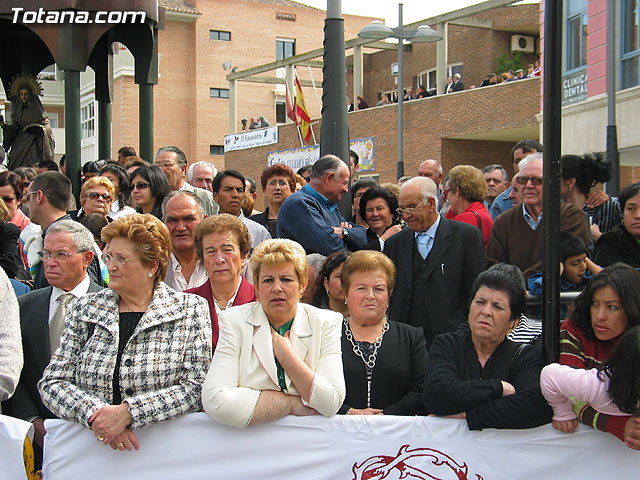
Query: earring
<point x="150" y="275"/>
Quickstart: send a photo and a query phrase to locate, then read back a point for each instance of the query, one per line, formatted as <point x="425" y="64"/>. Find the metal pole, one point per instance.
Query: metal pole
<point x="334" y="138"/>
<point x="72" y="129"/>
<point x="613" y="186"/>
<point x="552" y="138"/>
<point x="400" y="94"/>
<point x="145" y="106"/>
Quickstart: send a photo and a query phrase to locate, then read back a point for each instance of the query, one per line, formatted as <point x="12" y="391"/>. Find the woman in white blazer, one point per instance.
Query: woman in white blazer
<point x="275" y="357"/>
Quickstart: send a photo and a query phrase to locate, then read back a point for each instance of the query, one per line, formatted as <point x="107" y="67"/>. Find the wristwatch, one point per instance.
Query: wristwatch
<point x="345" y="233"/>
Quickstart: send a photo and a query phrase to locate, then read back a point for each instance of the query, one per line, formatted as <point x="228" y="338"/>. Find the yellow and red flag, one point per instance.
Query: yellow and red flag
<point x="303" y="113"/>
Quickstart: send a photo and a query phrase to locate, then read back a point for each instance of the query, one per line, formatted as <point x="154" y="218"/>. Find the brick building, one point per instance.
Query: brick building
<point x="476" y="126"/>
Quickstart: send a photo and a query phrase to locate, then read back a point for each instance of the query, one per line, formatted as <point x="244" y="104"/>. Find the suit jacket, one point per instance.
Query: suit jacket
<point x="244" y="363"/>
<point x="398" y="377"/>
<point x="34" y="323"/>
<point x="454" y="262"/>
<point x="457" y="86"/>
<point x="162" y="367"/>
<point x="206" y="197"/>
<point x="246" y="293"/>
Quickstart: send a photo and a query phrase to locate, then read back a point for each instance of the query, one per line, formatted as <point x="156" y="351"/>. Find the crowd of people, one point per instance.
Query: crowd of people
<point x="413" y="305"/>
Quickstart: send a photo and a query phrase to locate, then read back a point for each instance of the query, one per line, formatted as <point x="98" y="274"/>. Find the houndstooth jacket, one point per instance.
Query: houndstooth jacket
<point x="162" y="367"/>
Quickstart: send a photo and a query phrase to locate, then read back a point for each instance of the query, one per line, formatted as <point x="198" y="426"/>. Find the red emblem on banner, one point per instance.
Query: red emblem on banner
<point x="421" y="463"/>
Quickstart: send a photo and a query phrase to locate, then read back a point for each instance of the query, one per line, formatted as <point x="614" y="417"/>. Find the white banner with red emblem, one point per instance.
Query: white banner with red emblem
<point x="343" y="447"/>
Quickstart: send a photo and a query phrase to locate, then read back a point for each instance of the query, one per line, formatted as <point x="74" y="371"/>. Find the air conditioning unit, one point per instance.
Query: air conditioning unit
<point x="521" y="43"/>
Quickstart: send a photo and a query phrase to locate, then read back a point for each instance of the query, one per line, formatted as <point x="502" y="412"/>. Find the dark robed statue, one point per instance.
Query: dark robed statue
<point x="28" y="138"/>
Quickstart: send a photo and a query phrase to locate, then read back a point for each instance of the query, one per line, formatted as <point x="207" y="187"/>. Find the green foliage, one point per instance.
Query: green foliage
<point x="506" y="62"/>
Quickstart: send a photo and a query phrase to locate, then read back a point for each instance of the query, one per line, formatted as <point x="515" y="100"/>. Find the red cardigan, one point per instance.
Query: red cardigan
<point x="467" y="216"/>
<point x="246" y="294"/>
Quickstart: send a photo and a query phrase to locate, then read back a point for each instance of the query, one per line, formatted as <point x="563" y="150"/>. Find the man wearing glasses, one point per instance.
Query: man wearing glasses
<point x="516" y="236"/>
<point x="48" y="197"/>
<point x="173" y="163"/>
<point x="66" y="255"/>
<point x="437" y="262"/>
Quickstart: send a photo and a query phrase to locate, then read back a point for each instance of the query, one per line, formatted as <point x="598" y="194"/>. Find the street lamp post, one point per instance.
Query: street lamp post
<point x="423" y="34"/>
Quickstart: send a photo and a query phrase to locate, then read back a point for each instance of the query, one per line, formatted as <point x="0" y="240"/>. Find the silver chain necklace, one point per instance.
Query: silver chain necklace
<point x="371" y="362"/>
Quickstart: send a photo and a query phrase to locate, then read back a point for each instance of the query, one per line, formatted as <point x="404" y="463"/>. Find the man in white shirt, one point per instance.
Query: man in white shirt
<point x="66" y="255"/>
<point x="182" y="213"/>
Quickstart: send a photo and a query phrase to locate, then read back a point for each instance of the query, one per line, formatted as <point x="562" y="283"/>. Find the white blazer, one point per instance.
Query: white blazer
<point x="243" y="363"/>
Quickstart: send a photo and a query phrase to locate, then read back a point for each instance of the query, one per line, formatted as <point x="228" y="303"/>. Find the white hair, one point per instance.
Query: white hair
<point x="200" y="164"/>
<point x="529" y="158"/>
<point x="428" y="188"/>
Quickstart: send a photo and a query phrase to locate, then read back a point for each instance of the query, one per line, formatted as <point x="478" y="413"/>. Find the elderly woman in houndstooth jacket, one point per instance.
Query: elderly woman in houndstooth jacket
<point x="115" y="387"/>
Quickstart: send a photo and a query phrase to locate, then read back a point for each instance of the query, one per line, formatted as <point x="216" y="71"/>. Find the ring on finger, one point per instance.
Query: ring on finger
<point x="120" y="445"/>
<point x="101" y="439"/>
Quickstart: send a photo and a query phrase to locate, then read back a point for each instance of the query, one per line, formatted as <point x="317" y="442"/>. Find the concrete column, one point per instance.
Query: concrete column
<point x="145" y="106"/>
<point x="72" y="129"/>
<point x="233" y="106"/>
<point x="291" y="87"/>
<point x="358" y="73"/>
<point x="442" y="49"/>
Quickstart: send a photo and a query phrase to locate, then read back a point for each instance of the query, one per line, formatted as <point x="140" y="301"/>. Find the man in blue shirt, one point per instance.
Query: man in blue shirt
<point x="311" y="216"/>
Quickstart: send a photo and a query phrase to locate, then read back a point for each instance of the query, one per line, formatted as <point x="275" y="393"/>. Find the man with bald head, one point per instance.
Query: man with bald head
<point x="311" y="216"/>
<point x="437" y="262"/>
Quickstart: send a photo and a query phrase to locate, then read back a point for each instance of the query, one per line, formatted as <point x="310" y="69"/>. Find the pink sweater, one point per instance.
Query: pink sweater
<point x="559" y="382"/>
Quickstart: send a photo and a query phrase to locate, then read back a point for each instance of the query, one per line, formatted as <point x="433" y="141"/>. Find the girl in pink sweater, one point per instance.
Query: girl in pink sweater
<point x="614" y="390"/>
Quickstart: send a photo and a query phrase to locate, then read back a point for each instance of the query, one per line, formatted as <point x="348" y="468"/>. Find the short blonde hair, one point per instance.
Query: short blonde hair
<point x="148" y="234"/>
<point x="220" y="224"/>
<point x="97" y="182"/>
<point x="368" y="261"/>
<point x="278" y="252"/>
<point x="470" y="181"/>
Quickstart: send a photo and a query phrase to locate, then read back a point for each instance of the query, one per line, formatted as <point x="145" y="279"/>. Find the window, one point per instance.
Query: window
<point x="219" y="35"/>
<point x="428" y="78"/>
<point x="87" y="121"/>
<point x="53" y="119"/>
<point x="281" y="111"/>
<point x="630" y="43"/>
<point x="285" y="48"/>
<point x="219" y="92"/>
<point x="216" y="149"/>
<point x="48" y="73"/>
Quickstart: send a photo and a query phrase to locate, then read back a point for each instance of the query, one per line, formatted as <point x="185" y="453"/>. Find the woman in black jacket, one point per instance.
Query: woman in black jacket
<point x="478" y="374"/>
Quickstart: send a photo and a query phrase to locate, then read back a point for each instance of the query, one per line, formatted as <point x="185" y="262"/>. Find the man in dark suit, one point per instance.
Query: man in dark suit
<point x="437" y="261"/>
<point x="66" y="255"/>
<point x="457" y="85"/>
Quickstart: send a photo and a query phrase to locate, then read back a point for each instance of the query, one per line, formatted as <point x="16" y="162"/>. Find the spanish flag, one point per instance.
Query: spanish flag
<point x="302" y="113"/>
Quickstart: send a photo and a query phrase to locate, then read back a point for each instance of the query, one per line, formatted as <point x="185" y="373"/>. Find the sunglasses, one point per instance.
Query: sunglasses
<point x="139" y="186"/>
<point x="524" y="180"/>
<point x="95" y="195"/>
<point x="8" y="199"/>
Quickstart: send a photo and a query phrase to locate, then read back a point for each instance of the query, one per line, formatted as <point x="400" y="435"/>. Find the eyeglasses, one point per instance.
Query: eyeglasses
<point x="277" y="183"/>
<point x="119" y="260"/>
<point x="95" y="195"/>
<point x="8" y="199"/>
<point x="408" y="210"/>
<point x="524" y="180"/>
<point x="139" y="186"/>
<point x="57" y="256"/>
<point x="166" y="164"/>
<point x="32" y="193"/>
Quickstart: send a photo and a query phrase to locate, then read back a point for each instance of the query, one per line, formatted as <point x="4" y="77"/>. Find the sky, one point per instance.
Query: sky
<point x="413" y="10"/>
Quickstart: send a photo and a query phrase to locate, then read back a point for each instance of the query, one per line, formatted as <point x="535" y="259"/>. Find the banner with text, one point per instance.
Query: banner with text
<point x="343" y="447"/>
<point x="250" y="139"/>
<point x="299" y="157"/>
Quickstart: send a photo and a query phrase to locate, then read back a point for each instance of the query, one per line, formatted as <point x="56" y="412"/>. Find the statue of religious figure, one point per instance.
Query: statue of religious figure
<point x="28" y="138"/>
